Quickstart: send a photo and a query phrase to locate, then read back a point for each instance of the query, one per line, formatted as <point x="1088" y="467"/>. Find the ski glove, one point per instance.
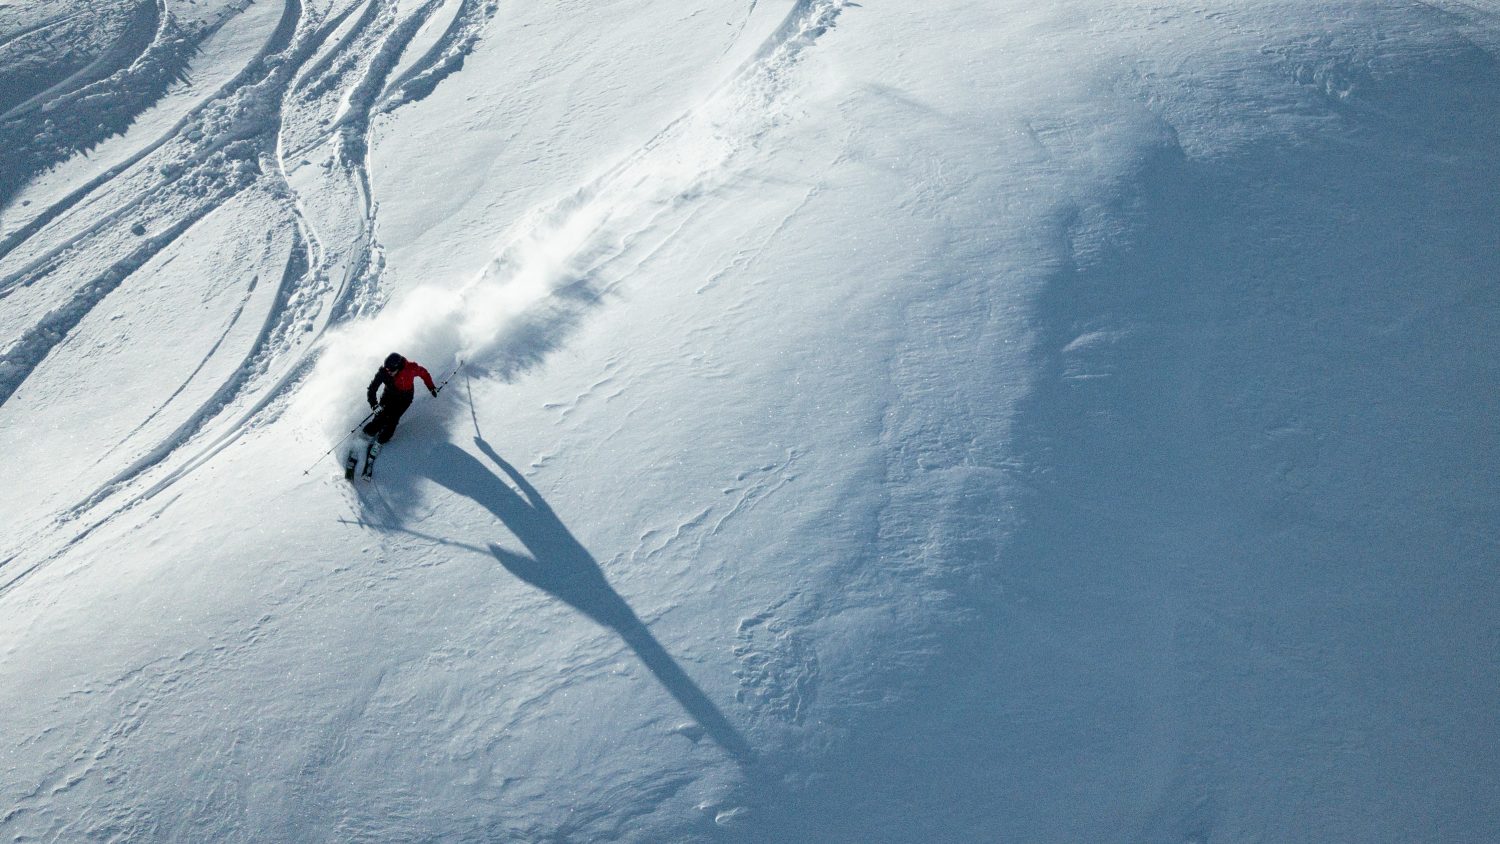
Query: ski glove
<point x="433" y="391"/>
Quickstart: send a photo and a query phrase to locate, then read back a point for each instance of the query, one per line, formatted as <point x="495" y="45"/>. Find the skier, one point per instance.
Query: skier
<point x="399" y="376"/>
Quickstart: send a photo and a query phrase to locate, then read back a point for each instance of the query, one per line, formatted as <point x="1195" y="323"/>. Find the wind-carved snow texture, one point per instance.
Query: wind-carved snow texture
<point x="1136" y="370"/>
<point x="778" y="672"/>
<point x="563" y="259"/>
<point x="287" y="135"/>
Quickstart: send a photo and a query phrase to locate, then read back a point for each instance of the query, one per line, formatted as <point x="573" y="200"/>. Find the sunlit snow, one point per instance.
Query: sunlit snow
<point x="946" y="421"/>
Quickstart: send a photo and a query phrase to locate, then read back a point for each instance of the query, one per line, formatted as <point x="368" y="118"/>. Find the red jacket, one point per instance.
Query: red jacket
<point x="403" y="381"/>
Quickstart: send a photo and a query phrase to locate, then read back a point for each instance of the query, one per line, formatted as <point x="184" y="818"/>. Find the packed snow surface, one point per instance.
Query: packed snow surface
<point x="963" y="420"/>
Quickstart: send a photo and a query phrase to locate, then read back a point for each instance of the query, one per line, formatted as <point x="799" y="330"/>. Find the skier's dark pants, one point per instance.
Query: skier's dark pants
<point x="393" y="403"/>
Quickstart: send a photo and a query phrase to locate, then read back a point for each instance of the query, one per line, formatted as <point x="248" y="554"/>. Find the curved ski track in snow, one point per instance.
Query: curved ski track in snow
<point x="72" y="255"/>
<point x="24" y="31"/>
<point x="142" y="32"/>
<point x="563" y="259"/>
<point x="312" y="92"/>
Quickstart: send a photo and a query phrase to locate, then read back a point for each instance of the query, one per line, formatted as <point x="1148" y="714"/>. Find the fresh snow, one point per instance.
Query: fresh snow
<point x="947" y="421"/>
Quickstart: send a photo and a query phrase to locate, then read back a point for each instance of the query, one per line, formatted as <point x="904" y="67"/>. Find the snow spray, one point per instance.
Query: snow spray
<point x="561" y="260"/>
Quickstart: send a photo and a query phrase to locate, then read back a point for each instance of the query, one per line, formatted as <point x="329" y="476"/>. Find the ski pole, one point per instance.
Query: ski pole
<point x="367" y="419"/>
<point x="340" y="441"/>
<point x="447" y="379"/>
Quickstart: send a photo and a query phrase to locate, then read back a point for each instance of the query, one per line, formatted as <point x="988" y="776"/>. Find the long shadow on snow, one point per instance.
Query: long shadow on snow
<point x="1256" y="520"/>
<point x="560" y="566"/>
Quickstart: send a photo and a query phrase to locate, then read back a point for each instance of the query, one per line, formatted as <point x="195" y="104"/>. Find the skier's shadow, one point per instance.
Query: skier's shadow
<point x="560" y="566"/>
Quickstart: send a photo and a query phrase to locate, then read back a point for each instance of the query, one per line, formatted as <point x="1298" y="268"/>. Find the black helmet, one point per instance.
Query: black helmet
<point x="394" y="361"/>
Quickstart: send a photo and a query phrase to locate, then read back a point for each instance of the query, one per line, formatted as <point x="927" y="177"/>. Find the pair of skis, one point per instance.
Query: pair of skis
<point x="351" y="462"/>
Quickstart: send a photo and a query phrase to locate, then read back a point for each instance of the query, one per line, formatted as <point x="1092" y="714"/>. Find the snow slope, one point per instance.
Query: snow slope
<point x="952" y="421"/>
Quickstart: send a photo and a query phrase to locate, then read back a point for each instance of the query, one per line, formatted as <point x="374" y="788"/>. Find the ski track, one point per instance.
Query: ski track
<point x="127" y="50"/>
<point x="249" y="116"/>
<point x="98" y="100"/>
<point x="299" y="80"/>
<point x="234" y="319"/>
<point x="7" y="40"/>
<point x="567" y="257"/>
<point x="278" y="41"/>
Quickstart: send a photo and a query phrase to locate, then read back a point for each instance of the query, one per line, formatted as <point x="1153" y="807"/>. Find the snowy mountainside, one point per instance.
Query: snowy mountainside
<point x="878" y="422"/>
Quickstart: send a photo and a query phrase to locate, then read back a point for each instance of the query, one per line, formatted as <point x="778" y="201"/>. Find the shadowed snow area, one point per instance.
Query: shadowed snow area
<point x="868" y="422"/>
